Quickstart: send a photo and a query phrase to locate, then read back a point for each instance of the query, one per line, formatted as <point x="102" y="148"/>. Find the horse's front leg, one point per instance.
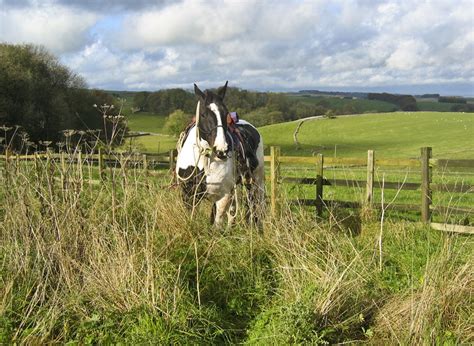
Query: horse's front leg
<point x="221" y="207"/>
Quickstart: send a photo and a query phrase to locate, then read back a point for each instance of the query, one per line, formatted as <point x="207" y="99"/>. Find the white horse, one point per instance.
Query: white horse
<point x="214" y="158"/>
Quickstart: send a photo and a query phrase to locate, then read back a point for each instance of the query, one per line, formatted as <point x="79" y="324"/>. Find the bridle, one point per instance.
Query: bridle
<point x="209" y="151"/>
<point x="212" y="129"/>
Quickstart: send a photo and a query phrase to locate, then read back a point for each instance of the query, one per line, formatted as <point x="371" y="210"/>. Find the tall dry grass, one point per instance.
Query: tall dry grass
<point x="439" y="310"/>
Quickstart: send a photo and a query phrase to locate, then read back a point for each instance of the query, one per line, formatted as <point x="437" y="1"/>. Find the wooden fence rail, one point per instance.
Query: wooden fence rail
<point x="101" y="159"/>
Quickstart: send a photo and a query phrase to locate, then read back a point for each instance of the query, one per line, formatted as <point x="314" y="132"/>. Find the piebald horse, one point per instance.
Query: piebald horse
<point x="212" y="161"/>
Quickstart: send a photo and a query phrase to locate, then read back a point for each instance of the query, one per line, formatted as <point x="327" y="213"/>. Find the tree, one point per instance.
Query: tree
<point x="140" y="100"/>
<point x="167" y="101"/>
<point x="43" y="97"/>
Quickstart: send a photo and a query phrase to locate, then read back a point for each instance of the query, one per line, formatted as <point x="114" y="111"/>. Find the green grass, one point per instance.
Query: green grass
<point x="400" y="175"/>
<point x="146" y="122"/>
<point x="391" y="135"/>
<point x="153" y="123"/>
<point x="151" y="144"/>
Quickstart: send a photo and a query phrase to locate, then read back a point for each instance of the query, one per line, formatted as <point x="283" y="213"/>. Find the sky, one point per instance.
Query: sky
<point x="283" y="45"/>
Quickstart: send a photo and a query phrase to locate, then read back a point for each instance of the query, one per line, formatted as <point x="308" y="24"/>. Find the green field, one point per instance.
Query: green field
<point x="399" y="134"/>
<point x="392" y="135"/>
<point x="147" y="122"/>
<point x="157" y="141"/>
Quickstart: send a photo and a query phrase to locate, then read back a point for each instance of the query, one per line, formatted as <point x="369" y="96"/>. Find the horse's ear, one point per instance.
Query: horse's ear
<point x="198" y="92"/>
<point x="221" y="91"/>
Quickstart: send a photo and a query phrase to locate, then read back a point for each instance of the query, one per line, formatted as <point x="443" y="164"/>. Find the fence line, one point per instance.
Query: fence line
<point x="101" y="159"/>
<point x="425" y="165"/>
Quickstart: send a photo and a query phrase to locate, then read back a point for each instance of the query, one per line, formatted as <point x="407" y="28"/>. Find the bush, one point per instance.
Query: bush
<point x="177" y="122"/>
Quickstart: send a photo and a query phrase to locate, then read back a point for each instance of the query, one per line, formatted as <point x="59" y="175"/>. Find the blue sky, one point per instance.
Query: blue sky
<point x="366" y="45"/>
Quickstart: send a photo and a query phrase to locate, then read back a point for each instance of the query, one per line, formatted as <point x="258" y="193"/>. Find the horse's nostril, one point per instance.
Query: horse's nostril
<point x="220" y="154"/>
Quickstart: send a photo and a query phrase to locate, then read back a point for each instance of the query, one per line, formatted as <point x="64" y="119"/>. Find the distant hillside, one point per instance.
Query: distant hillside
<point x="270" y="107"/>
<point x="333" y="93"/>
<point x="397" y="134"/>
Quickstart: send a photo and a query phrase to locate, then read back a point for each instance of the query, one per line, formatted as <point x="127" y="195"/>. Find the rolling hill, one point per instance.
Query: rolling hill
<point x="398" y="134"/>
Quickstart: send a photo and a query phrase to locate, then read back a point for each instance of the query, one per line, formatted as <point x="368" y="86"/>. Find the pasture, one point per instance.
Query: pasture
<point x="395" y="134"/>
<point x="157" y="141"/>
<point x="392" y="135"/>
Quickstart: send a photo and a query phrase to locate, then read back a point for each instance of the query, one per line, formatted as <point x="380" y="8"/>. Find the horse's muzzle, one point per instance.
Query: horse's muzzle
<point x="222" y="155"/>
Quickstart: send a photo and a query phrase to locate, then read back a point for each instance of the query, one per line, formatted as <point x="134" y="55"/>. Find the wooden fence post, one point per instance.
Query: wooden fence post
<point x="37" y="164"/>
<point x="172" y="155"/>
<point x="7" y="164"/>
<point x="101" y="164"/>
<point x="79" y="167"/>
<point x="17" y="163"/>
<point x="425" y="184"/>
<point x="370" y="179"/>
<point x="319" y="184"/>
<point x="145" y="164"/>
<point x="62" y="160"/>
<point x="274" y="179"/>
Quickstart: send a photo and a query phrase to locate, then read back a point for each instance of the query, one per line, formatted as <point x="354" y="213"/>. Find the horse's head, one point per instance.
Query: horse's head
<point x="211" y="120"/>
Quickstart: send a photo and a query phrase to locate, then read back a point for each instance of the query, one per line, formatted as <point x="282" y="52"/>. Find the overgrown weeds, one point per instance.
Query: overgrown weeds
<point x="120" y="260"/>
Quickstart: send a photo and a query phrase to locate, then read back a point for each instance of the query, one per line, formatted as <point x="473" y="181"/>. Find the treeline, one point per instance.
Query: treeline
<point x="260" y="108"/>
<point x="404" y="102"/>
<point x="468" y="107"/>
<point x="452" y="99"/>
<point x="40" y="98"/>
<point x="428" y="96"/>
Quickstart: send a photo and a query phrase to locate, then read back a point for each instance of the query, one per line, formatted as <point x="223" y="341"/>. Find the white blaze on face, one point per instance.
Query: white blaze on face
<point x="220" y="143"/>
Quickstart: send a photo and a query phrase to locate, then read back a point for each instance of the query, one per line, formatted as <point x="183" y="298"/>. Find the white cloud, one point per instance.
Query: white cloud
<point x="185" y="23"/>
<point x="211" y="22"/>
<point x="58" y="28"/>
<point x="408" y="55"/>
